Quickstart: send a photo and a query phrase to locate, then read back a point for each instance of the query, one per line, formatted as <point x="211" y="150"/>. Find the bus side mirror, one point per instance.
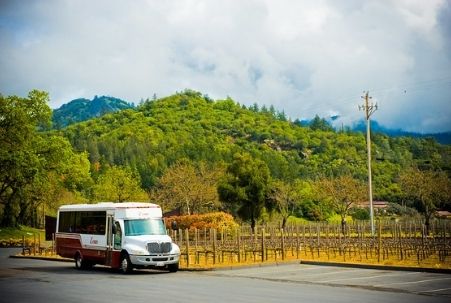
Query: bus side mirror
<point x="174" y="225"/>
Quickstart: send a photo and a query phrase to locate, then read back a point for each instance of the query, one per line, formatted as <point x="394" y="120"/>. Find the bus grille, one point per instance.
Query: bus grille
<point x="159" y="248"/>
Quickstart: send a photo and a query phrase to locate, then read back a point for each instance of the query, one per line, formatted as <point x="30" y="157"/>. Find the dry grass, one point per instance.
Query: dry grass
<point x="201" y="260"/>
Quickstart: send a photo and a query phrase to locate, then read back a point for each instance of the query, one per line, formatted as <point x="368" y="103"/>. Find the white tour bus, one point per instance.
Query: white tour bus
<point x="121" y="235"/>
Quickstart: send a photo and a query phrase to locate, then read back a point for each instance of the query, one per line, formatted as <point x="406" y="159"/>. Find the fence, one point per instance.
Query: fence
<point x="394" y="243"/>
<point x="34" y="246"/>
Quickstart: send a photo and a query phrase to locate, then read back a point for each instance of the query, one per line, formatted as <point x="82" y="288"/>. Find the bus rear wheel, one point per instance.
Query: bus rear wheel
<point x="81" y="263"/>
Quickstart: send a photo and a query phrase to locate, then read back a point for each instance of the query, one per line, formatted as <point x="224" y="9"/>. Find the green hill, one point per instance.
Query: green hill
<point x="83" y="109"/>
<point x="152" y="137"/>
<point x="177" y="152"/>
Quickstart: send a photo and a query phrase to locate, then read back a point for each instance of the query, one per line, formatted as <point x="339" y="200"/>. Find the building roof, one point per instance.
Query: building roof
<point x="443" y="213"/>
<point x="376" y="204"/>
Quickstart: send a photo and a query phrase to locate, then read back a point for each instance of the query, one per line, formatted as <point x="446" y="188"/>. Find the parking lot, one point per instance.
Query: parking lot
<point x="25" y="280"/>
<point x="371" y="279"/>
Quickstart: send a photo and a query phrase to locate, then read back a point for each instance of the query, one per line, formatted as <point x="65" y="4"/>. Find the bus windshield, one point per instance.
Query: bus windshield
<point x="144" y="227"/>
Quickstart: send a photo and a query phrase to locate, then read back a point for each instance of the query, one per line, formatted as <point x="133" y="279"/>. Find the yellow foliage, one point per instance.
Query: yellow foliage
<point x="216" y="220"/>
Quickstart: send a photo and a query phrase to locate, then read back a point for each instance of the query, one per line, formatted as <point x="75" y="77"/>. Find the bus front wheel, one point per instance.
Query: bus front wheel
<point x="173" y="267"/>
<point x="126" y="265"/>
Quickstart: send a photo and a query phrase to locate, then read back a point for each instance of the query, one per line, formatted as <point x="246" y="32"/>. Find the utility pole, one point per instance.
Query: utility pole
<point x="369" y="109"/>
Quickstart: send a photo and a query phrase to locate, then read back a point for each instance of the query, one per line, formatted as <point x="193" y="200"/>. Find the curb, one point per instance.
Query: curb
<point x="41" y="258"/>
<point x="269" y="264"/>
<point x="379" y="267"/>
<point x="192" y="269"/>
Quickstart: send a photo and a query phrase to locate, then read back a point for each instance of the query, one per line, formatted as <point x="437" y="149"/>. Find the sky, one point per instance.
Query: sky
<point x="303" y="57"/>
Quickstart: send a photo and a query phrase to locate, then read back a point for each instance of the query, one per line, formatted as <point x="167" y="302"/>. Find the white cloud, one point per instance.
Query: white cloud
<point x="304" y="57"/>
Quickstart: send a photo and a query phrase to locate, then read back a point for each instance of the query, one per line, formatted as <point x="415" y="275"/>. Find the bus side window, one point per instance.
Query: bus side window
<point x="117" y="236"/>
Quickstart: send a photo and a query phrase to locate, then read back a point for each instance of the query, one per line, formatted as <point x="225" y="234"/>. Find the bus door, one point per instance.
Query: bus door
<point x="109" y="240"/>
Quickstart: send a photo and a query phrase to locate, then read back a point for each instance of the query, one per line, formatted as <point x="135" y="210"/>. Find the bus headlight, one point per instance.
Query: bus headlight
<point x="138" y="251"/>
<point x="175" y="249"/>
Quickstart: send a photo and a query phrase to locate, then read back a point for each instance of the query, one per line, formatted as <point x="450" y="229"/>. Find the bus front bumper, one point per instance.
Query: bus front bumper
<point x="158" y="261"/>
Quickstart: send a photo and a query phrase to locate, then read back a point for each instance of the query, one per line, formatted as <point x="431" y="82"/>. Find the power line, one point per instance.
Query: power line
<point x="398" y="88"/>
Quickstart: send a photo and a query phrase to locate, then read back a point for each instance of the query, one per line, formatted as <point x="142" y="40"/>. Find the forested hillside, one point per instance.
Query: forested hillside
<point x="443" y="137"/>
<point x="191" y="128"/>
<point x="83" y="109"/>
<point x="199" y="155"/>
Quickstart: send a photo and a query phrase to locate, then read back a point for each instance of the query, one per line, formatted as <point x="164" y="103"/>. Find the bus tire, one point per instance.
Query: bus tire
<point x="126" y="265"/>
<point x="78" y="261"/>
<point x="81" y="263"/>
<point x="173" y="267"/>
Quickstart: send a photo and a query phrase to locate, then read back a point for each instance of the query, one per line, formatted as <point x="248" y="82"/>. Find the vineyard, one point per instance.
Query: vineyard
<point x="393" y="243"/>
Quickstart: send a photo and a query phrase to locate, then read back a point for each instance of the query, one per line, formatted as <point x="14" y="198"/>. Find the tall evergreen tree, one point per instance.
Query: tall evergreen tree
<point x="246" y="187"/>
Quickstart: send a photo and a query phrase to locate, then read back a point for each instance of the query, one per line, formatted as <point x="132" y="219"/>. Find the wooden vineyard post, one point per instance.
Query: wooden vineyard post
<point x="239" y="244"/>
<point x="282" y="238"/>
<point x="274" y="234"/>
<point x="445" y="229"/>
<point x="214" y="246"/>
<point x="303" y="239"/>
<point x="318" y="235"/>
<point x="187" y="246"/>
<point x="263" y="245"/>
<point x="181" y="236"/>
<point x="196" y="248"/>
<point x="298" y="248"/>
<point x="401" y="243"/>
<point x="310" y="240"/>
<point x="379" y="236"/>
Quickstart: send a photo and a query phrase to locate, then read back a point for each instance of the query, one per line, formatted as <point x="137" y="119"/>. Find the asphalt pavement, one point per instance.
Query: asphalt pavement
<point x="25" y="280"/>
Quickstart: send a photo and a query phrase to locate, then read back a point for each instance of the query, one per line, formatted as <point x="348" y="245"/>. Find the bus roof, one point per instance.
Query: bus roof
<point x="107" y="205"/>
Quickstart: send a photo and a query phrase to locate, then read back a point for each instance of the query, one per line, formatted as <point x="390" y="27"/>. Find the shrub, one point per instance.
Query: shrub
<point x="397" y="209"/>
<point x="336" y="219"/>
<point x="360" y="213"/>
<point x="216" y="220"/>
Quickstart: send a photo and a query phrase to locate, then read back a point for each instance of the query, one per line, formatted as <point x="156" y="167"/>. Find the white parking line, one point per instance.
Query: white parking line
<point x="434" y="290"/>
<point x="333" y="272"/>
<point x="247" y="272"/>
<point x="413" y="282"/>
<point x="370" y="277"/>
<point x="282" y="271"/>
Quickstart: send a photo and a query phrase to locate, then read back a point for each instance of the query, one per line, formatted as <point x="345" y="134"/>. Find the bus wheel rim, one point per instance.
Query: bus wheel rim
<point x="124" y="264"/>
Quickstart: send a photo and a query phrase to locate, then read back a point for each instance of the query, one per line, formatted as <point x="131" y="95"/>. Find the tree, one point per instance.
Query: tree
<point x="19" y="159"/>
<point x="342" y="192"/>
<point x="118" y="184"/>
<point x="431" y="189"/>
<point x="36" y="166"/>
<point x="61" y="171"/>
<point x="193" y="190"/>
<point x="245" y="187"/>
<point x="312" y="207"/>
<point x="286" y="197"/>
<point x="320" y="124"/>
